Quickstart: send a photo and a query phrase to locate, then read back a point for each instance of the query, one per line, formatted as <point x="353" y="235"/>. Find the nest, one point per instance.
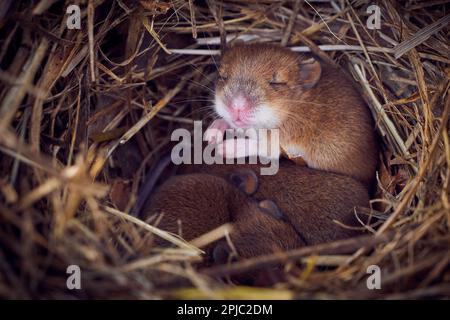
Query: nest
<point x="84" y="115"/>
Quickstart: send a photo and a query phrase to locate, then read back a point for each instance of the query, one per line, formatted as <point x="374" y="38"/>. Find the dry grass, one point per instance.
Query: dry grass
<point x="85" y="113"/>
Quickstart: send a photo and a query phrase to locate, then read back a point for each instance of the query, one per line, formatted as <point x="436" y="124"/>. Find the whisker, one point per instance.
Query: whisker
<point x="192" y="100"/>
<point x="201" y="73"/>
<point x="212" y="56"/>
<point x="201" y="85"/>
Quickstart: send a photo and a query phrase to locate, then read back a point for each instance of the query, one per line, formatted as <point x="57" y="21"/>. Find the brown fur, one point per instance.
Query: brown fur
<point x="309" y="201"/>
<point x="215" y="202"/>
<point x="194" y="204"/>
<point x="329" y="122"/>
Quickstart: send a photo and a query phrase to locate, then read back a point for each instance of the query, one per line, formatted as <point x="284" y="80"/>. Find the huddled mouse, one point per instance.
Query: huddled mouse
<point x="323" y="122"/>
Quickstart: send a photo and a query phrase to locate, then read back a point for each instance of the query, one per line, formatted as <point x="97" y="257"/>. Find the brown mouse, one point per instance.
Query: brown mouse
<point x="321" y="117"/>
<point x="311" y="200"/>
<point x="194" y="204"/>
<point x="294" y="208"/>
<point x="203" y="202"/>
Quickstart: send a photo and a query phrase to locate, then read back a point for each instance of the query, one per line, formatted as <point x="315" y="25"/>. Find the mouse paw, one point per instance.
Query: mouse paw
<point x="238" y="148"/>
<point x="216" y="129"/>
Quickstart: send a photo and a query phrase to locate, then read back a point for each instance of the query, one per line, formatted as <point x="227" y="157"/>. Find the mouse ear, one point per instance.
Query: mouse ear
<point x="270" y="207"/>
<point x="310" y="71"/>
<point x="232" y="44"/>
<point x="245" y="180"/>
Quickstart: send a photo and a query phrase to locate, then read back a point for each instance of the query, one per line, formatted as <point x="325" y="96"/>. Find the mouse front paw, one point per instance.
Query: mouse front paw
<point x="238" y="148"/>
<point x="215" y="130"/>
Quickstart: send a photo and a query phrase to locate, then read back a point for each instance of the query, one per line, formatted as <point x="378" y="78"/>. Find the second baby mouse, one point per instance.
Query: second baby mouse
<point x="302" y="205"/>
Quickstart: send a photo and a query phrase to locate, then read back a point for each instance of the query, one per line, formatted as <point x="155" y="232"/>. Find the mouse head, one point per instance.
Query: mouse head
<point x="256" y="82"/>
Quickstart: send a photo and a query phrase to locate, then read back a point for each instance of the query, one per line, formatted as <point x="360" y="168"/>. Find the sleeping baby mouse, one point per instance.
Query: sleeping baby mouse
<point x="298" y="206"/>
<point x="321" y="117"/>
<point x="194" y="204"/>
<point x="311" y="200"/>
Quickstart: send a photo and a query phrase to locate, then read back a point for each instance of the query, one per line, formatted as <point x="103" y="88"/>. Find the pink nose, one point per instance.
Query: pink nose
<point x="240" y="103"/>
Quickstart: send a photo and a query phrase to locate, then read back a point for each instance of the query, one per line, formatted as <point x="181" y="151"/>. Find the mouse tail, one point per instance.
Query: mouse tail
<point x="150" y="181"/>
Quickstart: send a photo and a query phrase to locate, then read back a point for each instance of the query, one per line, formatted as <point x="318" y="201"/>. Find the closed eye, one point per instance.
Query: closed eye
<point x="276" y="84"/>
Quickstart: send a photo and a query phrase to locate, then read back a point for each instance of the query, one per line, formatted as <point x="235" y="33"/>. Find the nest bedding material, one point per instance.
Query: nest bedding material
<point x="84" y="114"/>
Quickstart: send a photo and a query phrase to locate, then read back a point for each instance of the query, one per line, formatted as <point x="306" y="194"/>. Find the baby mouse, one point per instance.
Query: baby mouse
<point x="321" y="117"/>
<point x="311" y="200"/>
<point x="194" y="204"/>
